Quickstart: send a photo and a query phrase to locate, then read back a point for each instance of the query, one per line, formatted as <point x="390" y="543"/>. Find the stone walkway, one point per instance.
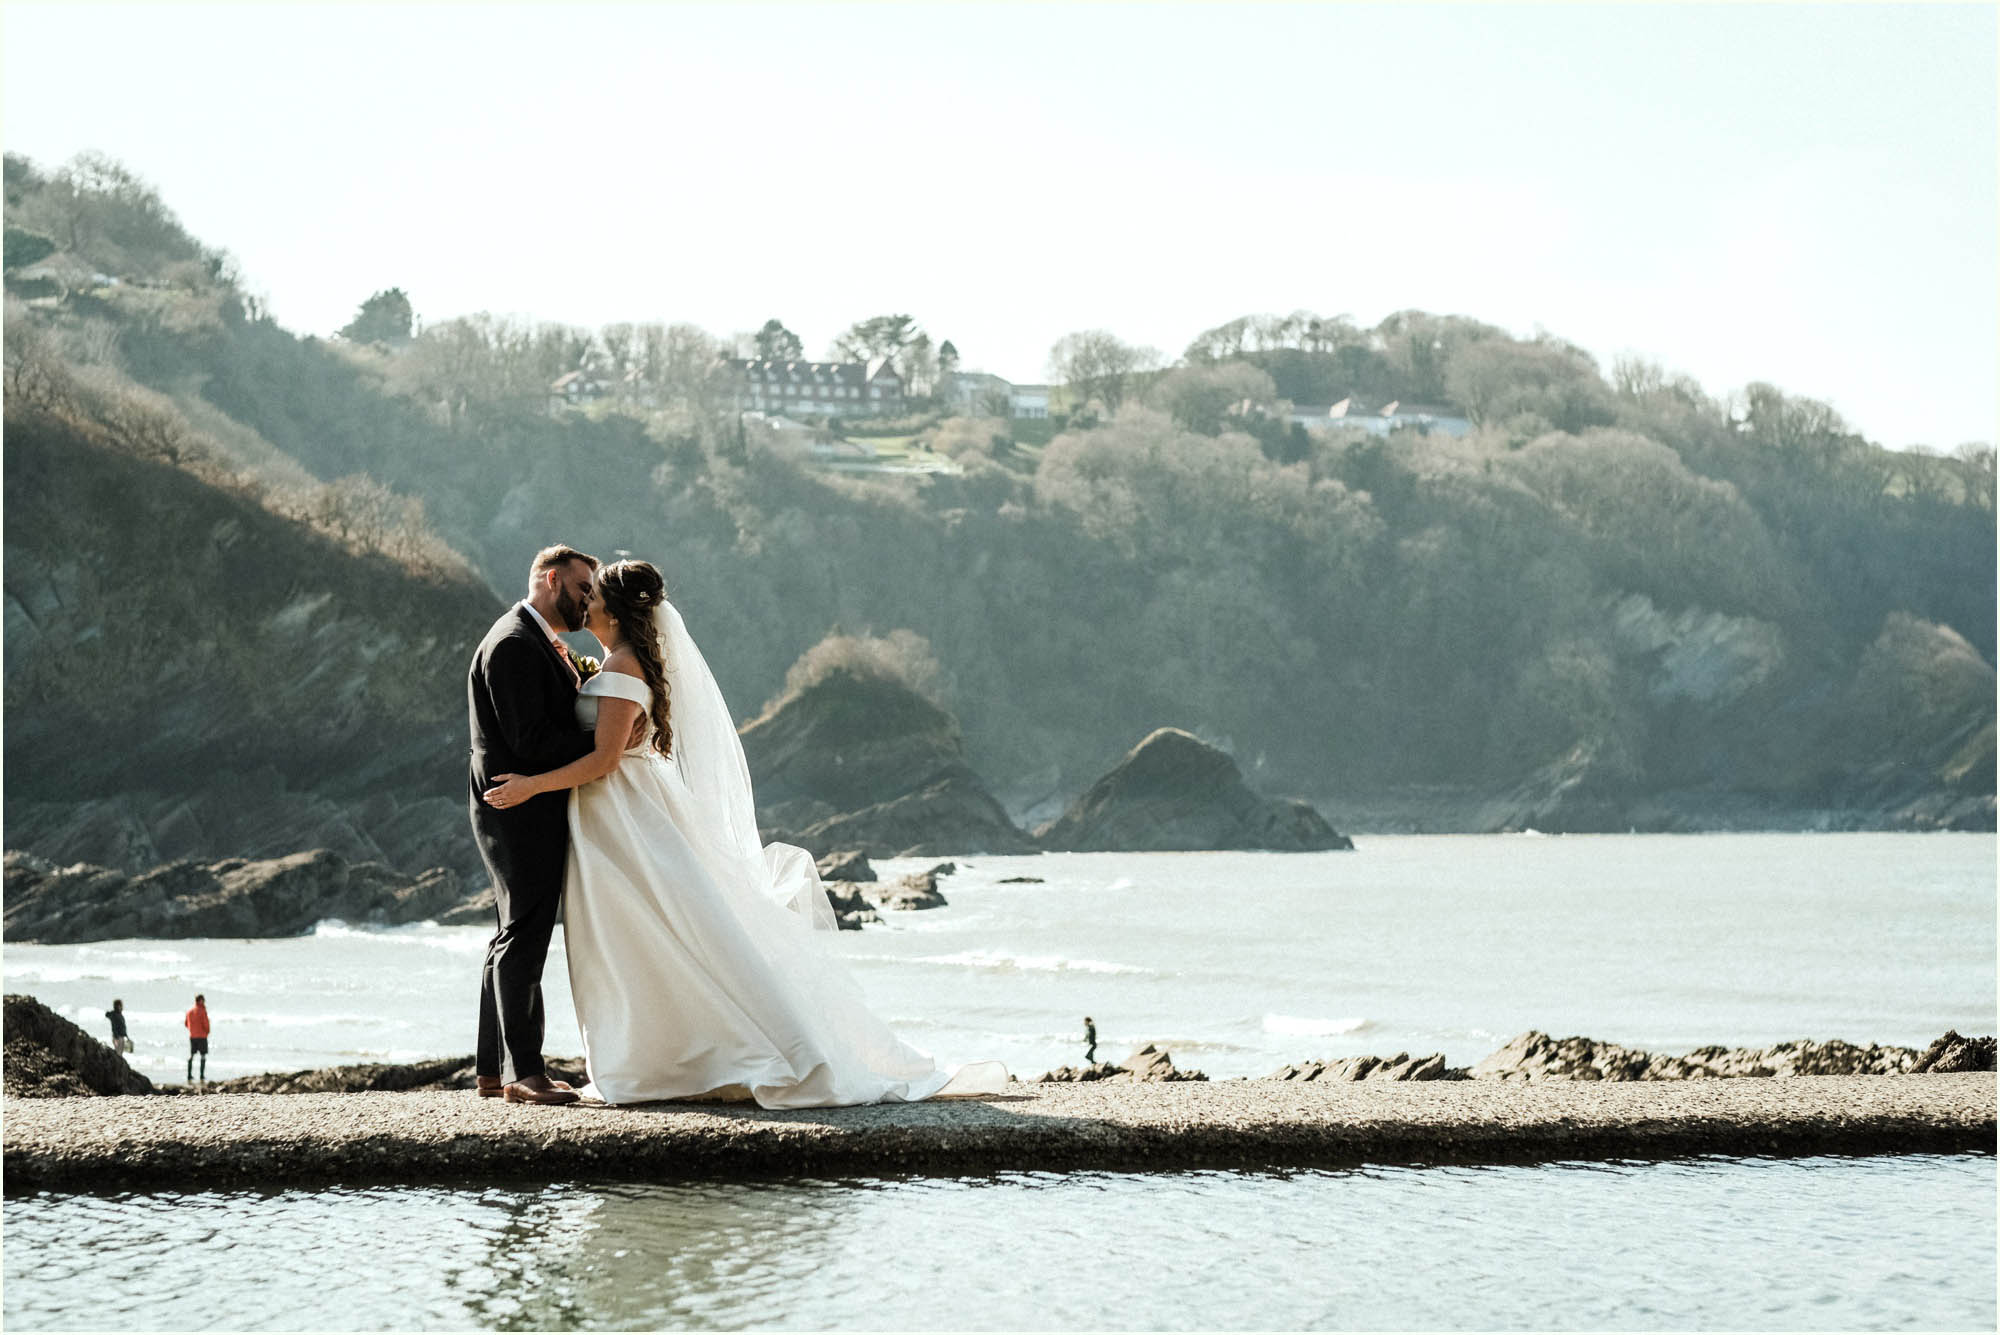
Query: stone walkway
<point x="87" y="1144"/>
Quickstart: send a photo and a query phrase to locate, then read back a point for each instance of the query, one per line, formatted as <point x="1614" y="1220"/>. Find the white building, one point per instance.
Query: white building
<point x="1392" y="416"/>
<point x="977" y="393"/>
<point x="1030" y="400"/>
<point x="974" y="393"/>
<point x="816" y="389"/>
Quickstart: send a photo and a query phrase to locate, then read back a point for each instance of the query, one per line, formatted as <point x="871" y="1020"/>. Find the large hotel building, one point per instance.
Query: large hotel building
<point x="831" y="389"/>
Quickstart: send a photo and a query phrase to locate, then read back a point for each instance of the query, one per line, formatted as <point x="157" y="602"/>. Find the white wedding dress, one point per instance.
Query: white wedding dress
<point x="695" y="958"/>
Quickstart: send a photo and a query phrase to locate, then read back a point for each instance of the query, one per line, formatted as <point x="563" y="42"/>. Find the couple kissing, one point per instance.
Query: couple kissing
<point x="695" y="951"/>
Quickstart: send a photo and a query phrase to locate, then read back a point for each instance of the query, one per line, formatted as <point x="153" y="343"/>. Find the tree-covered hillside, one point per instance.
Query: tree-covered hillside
<point x="1616" y="600"/>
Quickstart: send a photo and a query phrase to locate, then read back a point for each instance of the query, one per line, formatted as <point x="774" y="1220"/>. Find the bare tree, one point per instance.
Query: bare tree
<point x="1097" y="365"/>
<point x="619" y="341"/>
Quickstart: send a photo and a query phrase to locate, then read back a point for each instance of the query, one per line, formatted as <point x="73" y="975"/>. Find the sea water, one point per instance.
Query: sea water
<point x="1235" y="962"/>
<point x="1725" y="1244"/>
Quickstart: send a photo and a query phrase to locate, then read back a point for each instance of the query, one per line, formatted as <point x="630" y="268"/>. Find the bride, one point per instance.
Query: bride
<point x="693" y="956"/>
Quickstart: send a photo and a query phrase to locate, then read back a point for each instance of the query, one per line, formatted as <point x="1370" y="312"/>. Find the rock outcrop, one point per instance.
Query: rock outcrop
<point x="1175" y="792"/>
<point x="851" y="865"/>
<point x="47" y="1056"/>
<point x="856" y="903"/>
<point x="1953" y="1053"/>
<point x="233" y="898"/>
<point x="1151" y="1063"/>
<point x="850" y="739"/>
<point x="477" y="911"/>
<point x="1535" y="1056"/>
<point x="953" y="813"/>
<point x="851" y="909"/>
<point x="1573" y="794"/>
<point x="861" y="761"/>
<point x="1402" y="1066"/>
<point x="915" y="891"/>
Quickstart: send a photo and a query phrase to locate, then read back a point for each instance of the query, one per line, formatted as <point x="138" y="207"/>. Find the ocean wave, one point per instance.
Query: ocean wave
<point x="999" y="961"/>
<point x="148" y="956"/>
<point x="458" y="940"/>
<point x="1315" y="1028"/>
<point x="309" y="1021"/>
<point x="83" y="973"/>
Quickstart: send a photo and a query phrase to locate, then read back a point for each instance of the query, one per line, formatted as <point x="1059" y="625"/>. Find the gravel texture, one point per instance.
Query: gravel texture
<point x="82" y="1144"/>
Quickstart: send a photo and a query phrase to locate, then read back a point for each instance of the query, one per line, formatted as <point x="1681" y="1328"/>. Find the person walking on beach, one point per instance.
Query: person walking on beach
<point x="197" y="1027"/>
<point x="1090" y="1040"/>
<point x="119" y="1042"/>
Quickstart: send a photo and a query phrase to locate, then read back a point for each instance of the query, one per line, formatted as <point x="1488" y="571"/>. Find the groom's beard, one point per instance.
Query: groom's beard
<point x="571" y="609"/>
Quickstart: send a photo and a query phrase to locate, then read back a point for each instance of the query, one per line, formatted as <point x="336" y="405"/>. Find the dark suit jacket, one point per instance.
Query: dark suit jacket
<point x="521" y="705"/>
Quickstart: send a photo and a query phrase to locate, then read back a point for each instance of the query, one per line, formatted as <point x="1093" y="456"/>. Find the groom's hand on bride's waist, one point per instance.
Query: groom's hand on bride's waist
<point x="508" y="790"/>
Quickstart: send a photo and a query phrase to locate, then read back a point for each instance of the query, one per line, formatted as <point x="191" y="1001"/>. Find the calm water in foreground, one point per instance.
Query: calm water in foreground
<point x="1807" y="1244"/>
<point x="1238" y="963"/>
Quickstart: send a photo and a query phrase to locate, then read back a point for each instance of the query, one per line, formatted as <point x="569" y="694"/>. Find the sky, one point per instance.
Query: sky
<point x="1799" y="194"/>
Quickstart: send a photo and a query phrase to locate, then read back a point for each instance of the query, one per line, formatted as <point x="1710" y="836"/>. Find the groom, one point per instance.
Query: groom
<point x="522" y="693"/>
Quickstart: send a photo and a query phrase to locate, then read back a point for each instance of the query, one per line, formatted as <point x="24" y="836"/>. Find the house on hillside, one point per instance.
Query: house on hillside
<point x="812" y="389"/>
<point x="1392" y="416"/>
<point x="1030" y="400"/>
<point x="977" y="393"/>
<point x="573" y="389"/>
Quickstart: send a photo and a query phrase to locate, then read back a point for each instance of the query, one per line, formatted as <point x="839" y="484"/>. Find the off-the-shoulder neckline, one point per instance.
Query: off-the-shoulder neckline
<point x="604" y="673"/>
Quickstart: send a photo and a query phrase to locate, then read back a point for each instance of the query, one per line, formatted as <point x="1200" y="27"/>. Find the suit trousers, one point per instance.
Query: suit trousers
<point x="527" y="898"/>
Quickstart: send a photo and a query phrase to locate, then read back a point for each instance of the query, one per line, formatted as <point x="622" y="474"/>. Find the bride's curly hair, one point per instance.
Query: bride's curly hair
<point x="632" y="591"/>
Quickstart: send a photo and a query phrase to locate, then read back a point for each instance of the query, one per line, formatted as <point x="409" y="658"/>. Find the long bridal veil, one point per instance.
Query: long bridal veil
<point x="778" y="890"/>
<point x="711" y="761"/>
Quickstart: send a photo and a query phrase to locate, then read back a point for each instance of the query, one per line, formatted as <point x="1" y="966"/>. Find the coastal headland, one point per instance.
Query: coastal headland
<point x="258" y="1140"/>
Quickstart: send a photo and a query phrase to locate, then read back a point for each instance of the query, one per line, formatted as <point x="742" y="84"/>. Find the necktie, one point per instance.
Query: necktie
<point x="562" y="652"/>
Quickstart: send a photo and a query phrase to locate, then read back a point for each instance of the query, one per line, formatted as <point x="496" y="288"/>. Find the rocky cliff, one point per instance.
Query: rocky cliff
<point x="1175" y="792"/>
<point x="189" y="675"/>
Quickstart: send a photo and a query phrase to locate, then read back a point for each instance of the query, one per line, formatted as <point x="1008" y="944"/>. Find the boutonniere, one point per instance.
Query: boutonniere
<point x="586" y="666"/>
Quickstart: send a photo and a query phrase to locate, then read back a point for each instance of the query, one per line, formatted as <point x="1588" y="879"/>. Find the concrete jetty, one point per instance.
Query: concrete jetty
<point x="241" y="1140"/>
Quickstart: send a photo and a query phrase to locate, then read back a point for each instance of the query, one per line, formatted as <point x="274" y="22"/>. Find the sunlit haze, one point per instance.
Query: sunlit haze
<point x="1799" y="194"/>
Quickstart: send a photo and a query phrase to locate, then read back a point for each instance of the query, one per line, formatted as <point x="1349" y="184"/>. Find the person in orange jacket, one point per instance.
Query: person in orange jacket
<point x="197" y="1027"/>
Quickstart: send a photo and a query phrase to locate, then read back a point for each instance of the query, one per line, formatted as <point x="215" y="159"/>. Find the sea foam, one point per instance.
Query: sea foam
<point x="993" y="959"/>
<point x="1294" y="1024"/>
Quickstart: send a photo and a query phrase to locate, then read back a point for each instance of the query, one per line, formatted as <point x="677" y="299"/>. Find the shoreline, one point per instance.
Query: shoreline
<point x="277" y="1140"/>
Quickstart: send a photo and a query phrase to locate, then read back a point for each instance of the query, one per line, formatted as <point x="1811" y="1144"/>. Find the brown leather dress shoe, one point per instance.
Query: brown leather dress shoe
<point x="538" y="1089"/>
<point x="491" y="1087"/>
